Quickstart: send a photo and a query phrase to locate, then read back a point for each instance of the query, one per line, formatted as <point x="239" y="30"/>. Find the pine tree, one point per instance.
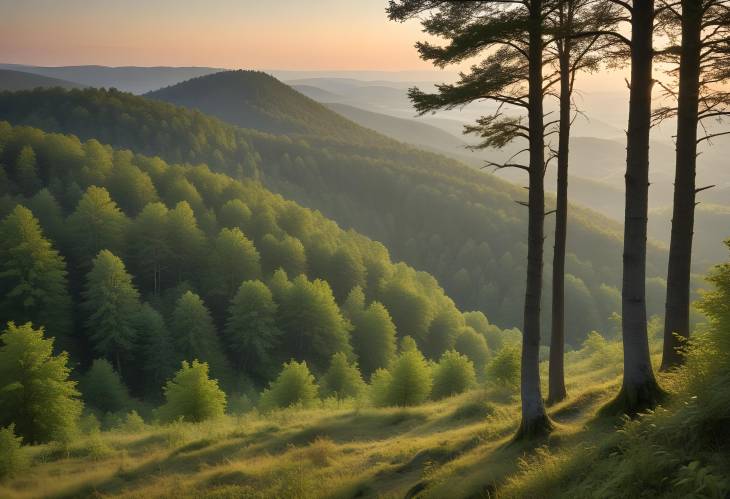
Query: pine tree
<point x="103" y="389"/>
<point x="154" y="352"/>
<point x="235" y="260"/>
<point x="111" y="302"/>
<point x="33" y="286"/>
<point x="311" y="322"/>
<point x="342" y="379"/>
<point x="194" y="334"/>
<point x="95" y="225"/>
<point x="35" y="392"/>
<point x="192" y="395"/>
<point x="26" y="171"/>
<point x="251" y="332"/>
<point x="149" y="246"/>
<point x="187" y="240"/>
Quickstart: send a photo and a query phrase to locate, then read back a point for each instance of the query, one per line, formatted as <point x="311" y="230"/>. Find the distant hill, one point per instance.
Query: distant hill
<point x="136" y="80"/>
<point x="253" y="99"/>
<point x="12" y="81"/>
<point x="316" y="93"/>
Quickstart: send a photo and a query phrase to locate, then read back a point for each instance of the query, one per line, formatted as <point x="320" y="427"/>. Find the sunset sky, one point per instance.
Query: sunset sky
<point x="324" y="35"/>
<point x="281" y="34"/>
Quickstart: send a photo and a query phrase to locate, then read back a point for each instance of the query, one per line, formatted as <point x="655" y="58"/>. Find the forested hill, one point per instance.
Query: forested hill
<point x="123" y="256"/>
<point x="19" y="80"/>
<point x="253" y="99"/>
<point x="431" y="212"/>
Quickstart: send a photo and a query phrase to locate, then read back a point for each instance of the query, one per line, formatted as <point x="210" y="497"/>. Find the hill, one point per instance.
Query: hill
<point x="252" y="99"/>
<point x="438" y="215"/>
<point x="137" y="80"/>
<point x="18" y="80"/>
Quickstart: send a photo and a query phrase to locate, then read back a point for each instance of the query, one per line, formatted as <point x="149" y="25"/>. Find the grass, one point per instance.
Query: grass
<point x="457" y="447"/>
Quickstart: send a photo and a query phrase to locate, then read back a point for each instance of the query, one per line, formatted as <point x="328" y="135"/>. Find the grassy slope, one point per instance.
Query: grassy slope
<point x="459" y="447"/>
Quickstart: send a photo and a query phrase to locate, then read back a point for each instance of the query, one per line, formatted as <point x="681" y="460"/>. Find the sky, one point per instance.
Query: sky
<point x="263" y="34"/>
<point x="313" y="35"/>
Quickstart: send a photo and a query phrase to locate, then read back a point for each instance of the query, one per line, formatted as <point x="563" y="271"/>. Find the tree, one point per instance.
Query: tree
<point x="454" y="374"/>
<point x="96" y="224"/>
<point x="33" y="285"/>
<point x="511" y="75"/>
<point x="411" y="379"/>
<point x="295" y="385"/>
<point x="187" y="240"/>
<point x="411" y="311"/>
<point x="26" y="171"/>
<point x="701" y="61"/>
<point x="103" y="389"/>
<point x="251" y="332"/>
<point x="149" y="245"/>
<point x="286" y="253"/>
<point x="639" y="389"/>
<point x="716" y="305"/>
<point x="111" y="302"/>
<point x="235" y="259"/>
<point x="573" y="53"/>
<point x="443" y="331"/>
<point x="192" y="396"/>
<point x="373" y="337"/>
<point x="129" y="186"/>
<point x="473" y="345"/>
<point x="194" y="332"/>
<point x="310" y="319"/>
<point x="342" y="379"/>
<point x="13" y="457"/>
<point x="35" y="392"/>
<point x="155" y="354"/>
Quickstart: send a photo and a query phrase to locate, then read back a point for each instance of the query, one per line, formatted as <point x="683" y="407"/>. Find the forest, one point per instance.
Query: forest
<point x="224" y="288"/>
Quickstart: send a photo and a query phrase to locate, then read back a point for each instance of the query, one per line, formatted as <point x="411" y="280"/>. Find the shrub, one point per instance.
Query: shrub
<point x="454" y="374"/>
<point x="504" y="368"/>
<point x="133" y="423"/>
<point x="342" y="380"/>
<point x="192" y="396"/>
<point x="295" y="385"/>
<point x="102" y="388"/>
<point x="12" y="456"/>
<point x="35" y="392"/>
<point x="411" y="379"/>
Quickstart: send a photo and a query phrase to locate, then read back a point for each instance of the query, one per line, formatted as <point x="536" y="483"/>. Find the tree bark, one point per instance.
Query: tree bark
<point x="676" y="318"/>
<point x="639" y="390"/>
<point x="556" y="385"/>
<point x="534" y="418"/>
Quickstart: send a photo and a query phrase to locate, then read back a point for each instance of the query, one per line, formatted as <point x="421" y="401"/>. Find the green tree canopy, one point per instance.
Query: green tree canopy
<point x="411" y="379"/>
<point x="111" y="302"/>
<point x="96" y="224"/>
<point x="155" y="353"/>
<point x="192" y="395"/>
<point x="103" y="389"/>
<point x="251" y="332"/>
<point x="295" y="385"/>
<point x="473" y="345"/>
<point x="313" y="327"/>
<point x="33" y="286"/>
<point x="342" y="379"/>
<point x="454" y="374"/>
<point x="35" y="392"/>
<point x="235" y="259"/>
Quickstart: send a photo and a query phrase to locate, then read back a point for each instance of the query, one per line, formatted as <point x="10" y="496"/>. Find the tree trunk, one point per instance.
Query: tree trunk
<point x="639" y="390"/>
<point x="534" y="418"/>
<point x="676" y="319"/>
<point x="556" y="386"/>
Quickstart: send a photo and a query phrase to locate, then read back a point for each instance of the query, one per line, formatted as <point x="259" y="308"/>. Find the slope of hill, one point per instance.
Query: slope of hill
<point x="438" y="215"/>
<point x="252" y="99"/>
<point x="12" y="81"/>
<point x="137" y="80"/>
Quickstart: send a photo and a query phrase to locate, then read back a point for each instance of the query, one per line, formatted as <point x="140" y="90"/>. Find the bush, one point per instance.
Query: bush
<point x="454" y="374"/>
<point x="192" y="396"/>
<point x="102" y="388"/>
<point x="473" y="345"/>
<point x="342" y="380"/>
<point x="295" y="385"/>
<point x="411" y="379"/>
<point x="12" y="456"/>
<point x="35" y="392"/>
<point x="133" y="423"/>
<point x="504" y="368"/>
